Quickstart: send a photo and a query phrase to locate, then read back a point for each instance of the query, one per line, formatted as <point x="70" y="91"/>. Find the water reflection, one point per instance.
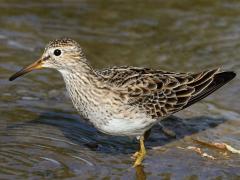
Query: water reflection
<point x="140" y="174"/>
<point x="79" y="132"/>
<point x="82" y="143"/>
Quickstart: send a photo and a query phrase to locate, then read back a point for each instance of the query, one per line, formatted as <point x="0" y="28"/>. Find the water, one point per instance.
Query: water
<point x="41" y="135"/>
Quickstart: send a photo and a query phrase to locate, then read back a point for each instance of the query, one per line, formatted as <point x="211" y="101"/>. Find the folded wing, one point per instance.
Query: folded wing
<point x="161" y="93"/>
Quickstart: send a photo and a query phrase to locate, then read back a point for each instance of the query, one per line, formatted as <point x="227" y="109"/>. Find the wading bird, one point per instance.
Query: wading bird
<point x="125" y="101"/>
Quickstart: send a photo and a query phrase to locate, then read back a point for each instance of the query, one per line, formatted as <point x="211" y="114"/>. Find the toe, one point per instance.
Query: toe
<point x="135" y="155"/>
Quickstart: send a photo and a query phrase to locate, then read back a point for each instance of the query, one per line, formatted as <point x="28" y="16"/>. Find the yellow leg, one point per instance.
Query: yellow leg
<point x="139" y="156"/>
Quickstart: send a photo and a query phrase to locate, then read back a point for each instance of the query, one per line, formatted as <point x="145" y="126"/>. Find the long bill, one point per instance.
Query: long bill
<point x="36" y="65"/>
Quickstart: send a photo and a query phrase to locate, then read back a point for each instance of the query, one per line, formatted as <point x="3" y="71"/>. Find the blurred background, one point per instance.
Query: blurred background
<point x="42" y="136"/>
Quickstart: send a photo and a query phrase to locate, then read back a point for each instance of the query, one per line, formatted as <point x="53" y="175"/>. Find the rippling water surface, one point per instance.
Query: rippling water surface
<point x="41" y="135"/>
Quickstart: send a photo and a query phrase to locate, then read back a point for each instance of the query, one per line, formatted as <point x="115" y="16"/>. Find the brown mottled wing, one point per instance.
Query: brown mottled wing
<point x="161" y="93"/>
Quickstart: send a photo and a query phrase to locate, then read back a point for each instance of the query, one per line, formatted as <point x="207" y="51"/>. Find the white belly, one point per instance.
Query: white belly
<point x="126" y="126"/>
<point x="119" y="121"/>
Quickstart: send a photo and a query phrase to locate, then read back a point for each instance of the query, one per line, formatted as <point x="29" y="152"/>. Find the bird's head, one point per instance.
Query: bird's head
<point x="62" y="54"/>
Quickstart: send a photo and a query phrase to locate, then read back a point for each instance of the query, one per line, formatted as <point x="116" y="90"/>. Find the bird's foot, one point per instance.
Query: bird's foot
<point x="139" y="156"/>
<point x="168" y="132"/>
<point x="135" y="155"/>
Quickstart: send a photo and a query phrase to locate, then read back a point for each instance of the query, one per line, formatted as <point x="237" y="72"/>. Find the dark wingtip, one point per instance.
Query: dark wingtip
<point x="219" y="80"/>
<point x="227" y="76"/>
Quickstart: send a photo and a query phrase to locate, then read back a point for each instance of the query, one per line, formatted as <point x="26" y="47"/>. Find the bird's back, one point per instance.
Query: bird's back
<point x="161" y="93"/>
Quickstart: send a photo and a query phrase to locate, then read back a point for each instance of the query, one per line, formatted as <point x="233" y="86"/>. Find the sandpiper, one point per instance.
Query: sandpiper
<point x="125" y="101"/>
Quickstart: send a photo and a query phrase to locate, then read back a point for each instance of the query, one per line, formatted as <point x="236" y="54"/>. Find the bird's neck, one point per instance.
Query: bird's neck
<point x="82" y="86"/>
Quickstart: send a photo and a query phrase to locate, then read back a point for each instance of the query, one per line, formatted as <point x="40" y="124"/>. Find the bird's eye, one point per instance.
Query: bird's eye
<point x="57" y="52"/>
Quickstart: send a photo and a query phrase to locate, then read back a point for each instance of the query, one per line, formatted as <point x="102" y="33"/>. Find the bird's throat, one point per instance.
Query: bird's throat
<point x="82" y="89"/>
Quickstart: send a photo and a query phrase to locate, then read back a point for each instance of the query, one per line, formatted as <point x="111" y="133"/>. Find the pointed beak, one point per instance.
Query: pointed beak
<point x="36" y="65"/>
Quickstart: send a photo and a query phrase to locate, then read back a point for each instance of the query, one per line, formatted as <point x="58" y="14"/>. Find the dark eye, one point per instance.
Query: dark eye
<point x="57" y="52"/>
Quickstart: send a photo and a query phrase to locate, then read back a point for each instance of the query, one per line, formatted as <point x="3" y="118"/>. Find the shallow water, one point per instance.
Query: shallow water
<point x="41" y="135"/>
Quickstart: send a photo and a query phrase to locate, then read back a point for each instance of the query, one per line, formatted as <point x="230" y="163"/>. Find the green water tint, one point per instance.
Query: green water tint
<point x="41" y="135"/>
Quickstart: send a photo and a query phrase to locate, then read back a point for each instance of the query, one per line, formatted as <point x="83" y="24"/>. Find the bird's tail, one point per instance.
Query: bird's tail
<point x="217" y="81"/>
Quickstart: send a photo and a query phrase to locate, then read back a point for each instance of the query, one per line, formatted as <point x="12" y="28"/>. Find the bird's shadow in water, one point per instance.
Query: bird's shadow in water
<point x="84" y="134"/>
